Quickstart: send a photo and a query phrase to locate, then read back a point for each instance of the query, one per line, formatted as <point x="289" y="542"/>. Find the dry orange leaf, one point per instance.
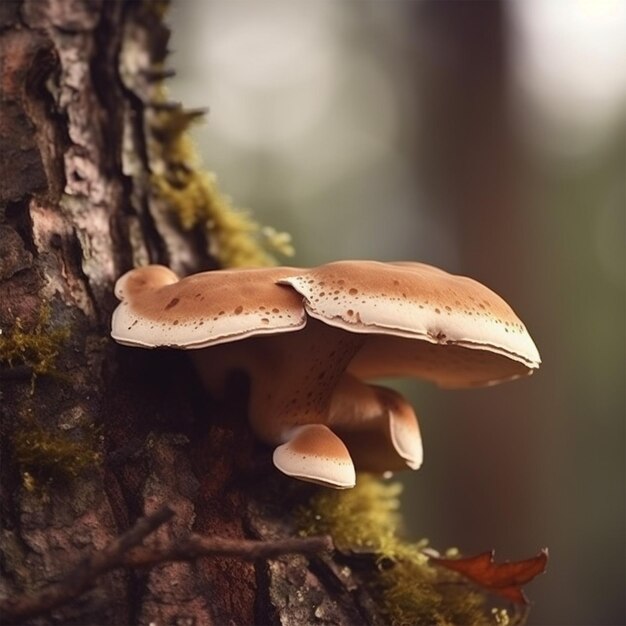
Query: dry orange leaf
<point x="502" y="579"/>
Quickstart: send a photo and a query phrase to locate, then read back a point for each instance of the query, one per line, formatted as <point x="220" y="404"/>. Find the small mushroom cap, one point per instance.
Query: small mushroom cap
<point x="315" y="454"/>
<point x="205" y="309"/>
<point x="467" y="334"/>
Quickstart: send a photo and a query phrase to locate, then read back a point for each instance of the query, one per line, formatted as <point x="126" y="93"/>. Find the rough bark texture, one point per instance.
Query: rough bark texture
<point x="98" y="435"/>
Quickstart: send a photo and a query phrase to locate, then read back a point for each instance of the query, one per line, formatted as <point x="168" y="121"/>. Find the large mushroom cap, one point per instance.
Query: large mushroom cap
<point x="205" y="309"/>
<point x="421" y="322"/>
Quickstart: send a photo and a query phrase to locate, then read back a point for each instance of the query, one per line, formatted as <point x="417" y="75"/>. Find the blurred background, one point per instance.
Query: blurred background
<point x="488" y="138"/>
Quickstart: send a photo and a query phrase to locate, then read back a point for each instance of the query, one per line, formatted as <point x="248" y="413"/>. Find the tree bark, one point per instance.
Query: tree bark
<point x="95" y="435"/>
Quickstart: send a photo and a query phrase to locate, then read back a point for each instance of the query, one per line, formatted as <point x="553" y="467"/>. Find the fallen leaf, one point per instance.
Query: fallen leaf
<point x="503" y="579"/>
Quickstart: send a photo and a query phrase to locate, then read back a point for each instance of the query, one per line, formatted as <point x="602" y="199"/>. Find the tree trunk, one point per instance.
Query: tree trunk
<point x="95" y="435"/>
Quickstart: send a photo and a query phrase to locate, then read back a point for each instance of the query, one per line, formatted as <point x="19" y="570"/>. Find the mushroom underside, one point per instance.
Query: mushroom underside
<point x="325" y="422"/>
<point x="450" y="363"/>
<point x="361" y="426"/>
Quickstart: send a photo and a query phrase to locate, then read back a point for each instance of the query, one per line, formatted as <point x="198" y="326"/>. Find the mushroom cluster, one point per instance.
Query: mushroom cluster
<point x="309" y="338"/>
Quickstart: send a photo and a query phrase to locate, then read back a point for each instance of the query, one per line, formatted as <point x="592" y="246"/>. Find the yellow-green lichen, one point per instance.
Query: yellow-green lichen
<point x="410" y="589"/>
<point x="193" y="195"/>
<point x="46" y="457"/>
<point x="36" y="349"/>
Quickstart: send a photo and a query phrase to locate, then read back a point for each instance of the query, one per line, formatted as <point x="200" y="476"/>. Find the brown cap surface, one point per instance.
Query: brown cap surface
<point x="158" y="309"/>
<point x="467" y="335"/>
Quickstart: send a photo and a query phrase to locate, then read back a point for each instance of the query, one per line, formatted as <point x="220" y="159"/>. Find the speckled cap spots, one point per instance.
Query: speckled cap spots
<point x="469" y="335"/>
<point x="205" y="309"/>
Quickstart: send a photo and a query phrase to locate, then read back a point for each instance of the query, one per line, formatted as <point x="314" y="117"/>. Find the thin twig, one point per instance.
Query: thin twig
<point x="195" y="546"/>
<point x="125" y="551"/>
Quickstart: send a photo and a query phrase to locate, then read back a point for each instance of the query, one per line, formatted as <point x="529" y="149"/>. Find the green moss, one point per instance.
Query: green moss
<point x="36" y="349"/>
<point x="416" y="593"/>
<point x="373" y="503"/>
<point x="410" y="590"/>
<point x="193" y="195"/>
<point x="50" y="457"/>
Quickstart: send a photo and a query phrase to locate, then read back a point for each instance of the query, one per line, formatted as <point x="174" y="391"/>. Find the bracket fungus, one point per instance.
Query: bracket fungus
<point x="310" y="338"/>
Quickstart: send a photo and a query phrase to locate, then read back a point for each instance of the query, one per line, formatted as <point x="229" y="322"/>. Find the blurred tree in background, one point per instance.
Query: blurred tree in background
<point x="487" y="138"/>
